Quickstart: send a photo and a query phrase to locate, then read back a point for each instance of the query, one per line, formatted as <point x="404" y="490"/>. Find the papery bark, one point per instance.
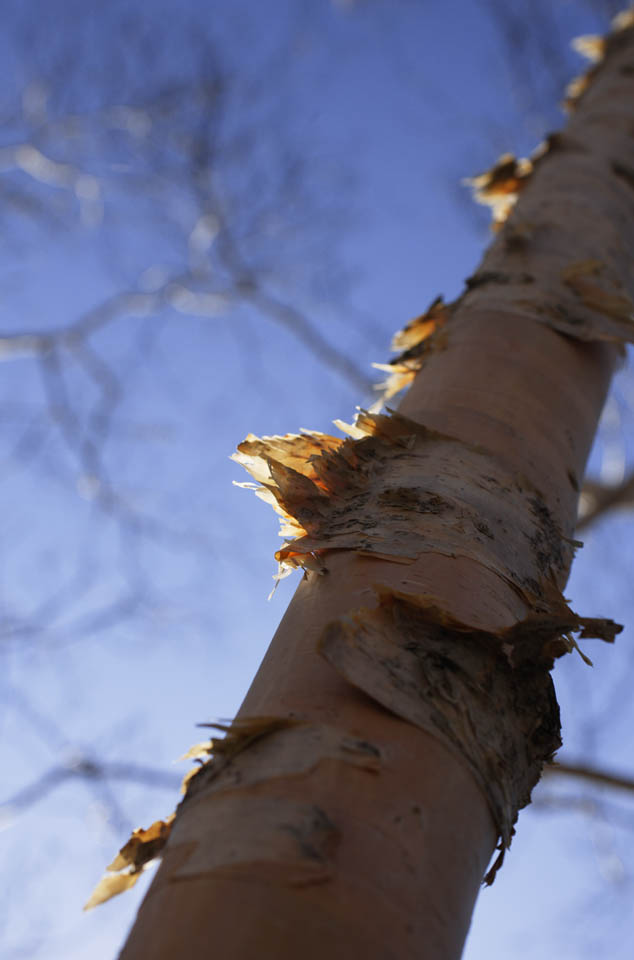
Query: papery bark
<point x="365" y="825"/>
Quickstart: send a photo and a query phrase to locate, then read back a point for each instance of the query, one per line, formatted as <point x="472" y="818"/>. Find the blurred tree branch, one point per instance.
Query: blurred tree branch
<point x="590" y="774"/>
<point x="597" y="499"/>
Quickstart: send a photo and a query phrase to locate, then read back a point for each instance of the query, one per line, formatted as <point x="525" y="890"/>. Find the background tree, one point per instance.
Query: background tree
<point x="146" y="559"/>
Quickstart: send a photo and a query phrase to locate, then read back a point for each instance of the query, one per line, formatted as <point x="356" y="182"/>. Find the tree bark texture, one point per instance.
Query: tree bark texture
<point x="405" y="707"/>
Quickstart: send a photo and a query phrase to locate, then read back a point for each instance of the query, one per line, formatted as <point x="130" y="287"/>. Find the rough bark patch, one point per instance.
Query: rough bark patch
<point x="489" y="698"/>
<point x="585" y="300"/>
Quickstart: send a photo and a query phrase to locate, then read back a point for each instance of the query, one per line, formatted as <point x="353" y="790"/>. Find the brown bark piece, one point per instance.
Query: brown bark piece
<point x="500" y="186"/>
<point x="143" y="846"/>
<point x="414" y="342"/>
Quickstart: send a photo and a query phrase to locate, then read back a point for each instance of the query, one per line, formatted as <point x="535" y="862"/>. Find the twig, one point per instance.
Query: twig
<point x="591" y="774"/>
<point x="598" y="498"/>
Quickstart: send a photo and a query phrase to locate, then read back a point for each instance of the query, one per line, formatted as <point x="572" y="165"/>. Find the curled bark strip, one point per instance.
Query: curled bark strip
<point x="241" y="733"/>
<point x="595" y="49"/>
<point x="143" y="845"/>
<point x="579" y="199"/>
<point x="590" y="46"/>
<point x="587" y="296"/>
<point x="576" y="88"/>
<point x="135" y="855"/>
<point x="414" y="342"/>
<point x="111" y="885"/>
<point x="257" y="836"/>
<point x="292" y="749"/>
<point x="456" y="682"/>
<point x="421" y="327"/>
<point x="254" y="750"/>
<point x="499" y="187"/>
<point x="395" y="489"/>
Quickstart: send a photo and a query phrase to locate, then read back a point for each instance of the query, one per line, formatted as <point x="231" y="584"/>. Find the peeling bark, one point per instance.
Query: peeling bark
<point x="406" y="705"/>
<point x="463" y="685"/>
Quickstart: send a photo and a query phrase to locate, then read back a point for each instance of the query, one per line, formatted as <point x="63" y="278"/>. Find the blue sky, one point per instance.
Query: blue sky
<point x="328" y="141"/>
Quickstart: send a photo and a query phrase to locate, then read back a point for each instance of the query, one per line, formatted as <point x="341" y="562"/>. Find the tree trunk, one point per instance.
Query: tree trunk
<point x="405" y="709"/>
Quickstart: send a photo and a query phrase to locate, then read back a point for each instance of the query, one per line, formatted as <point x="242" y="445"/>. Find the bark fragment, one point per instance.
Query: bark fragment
<point x="576" y="88"/>
<point x="395" y="489"/>
<point x="141" y="849"/>
<point x="489" y="698"/>
<point x="414" y="342"/>
<point x="277" y="838"/>
<point x="499" y="187"/>
<point x="591" y="46"/>
<point x="595" y="49"/>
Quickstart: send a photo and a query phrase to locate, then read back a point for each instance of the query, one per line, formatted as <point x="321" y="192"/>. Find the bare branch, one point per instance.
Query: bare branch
<point x="597" y="499"/>
<point x="591" y="774"/>
<point x="85" y="768"/>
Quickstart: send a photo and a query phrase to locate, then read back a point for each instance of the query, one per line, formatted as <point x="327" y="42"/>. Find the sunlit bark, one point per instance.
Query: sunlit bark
<point x="364" y="825"/>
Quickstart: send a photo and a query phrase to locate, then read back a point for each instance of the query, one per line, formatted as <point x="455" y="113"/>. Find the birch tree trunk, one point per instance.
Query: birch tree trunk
<point x="405" y="708"/>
